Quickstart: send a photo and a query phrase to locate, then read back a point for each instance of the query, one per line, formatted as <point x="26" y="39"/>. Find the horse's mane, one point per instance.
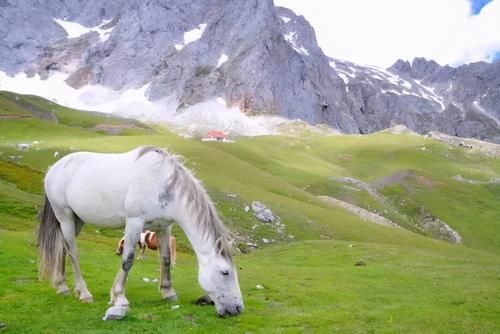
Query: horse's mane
<point x="197" y="200"/>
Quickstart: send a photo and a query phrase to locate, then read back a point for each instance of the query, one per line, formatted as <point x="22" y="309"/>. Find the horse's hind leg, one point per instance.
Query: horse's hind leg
<point x="59" y="279"/>
<point x="166" y="290"/>
<point x="70" y="227"/>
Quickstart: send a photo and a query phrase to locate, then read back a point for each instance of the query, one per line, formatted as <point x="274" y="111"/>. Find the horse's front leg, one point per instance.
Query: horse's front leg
<point x="166" y="290"/>
<point x="133" y="229"/>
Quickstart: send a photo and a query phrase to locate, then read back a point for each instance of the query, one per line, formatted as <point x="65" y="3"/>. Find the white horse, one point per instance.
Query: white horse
<point x="143" y="188"/>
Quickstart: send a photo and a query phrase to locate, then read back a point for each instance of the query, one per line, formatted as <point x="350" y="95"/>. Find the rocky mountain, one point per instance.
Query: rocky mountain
<point x="256" y="56"/>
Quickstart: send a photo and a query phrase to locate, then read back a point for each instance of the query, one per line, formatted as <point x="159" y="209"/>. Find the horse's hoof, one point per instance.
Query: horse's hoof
<point x="204" y="300"/>
<point x="115" y="313"/>
<point x="63" y="291"/>
<point x="171" y="298"/>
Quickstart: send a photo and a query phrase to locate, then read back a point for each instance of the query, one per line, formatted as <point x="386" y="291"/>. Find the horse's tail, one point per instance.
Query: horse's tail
<point x="51" y="245"/>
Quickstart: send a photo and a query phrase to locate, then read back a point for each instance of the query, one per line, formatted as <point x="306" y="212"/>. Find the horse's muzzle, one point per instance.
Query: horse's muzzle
<point x="232" y="311"/>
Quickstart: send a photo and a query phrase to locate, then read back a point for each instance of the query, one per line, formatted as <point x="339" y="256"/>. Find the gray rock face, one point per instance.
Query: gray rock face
<point x="470" y="92"/>
<point x="262" y="213"/>
<point x="258" y="57"/>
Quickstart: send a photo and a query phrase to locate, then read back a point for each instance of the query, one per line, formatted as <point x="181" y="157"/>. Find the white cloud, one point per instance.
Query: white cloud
<point x="379" y="32"/>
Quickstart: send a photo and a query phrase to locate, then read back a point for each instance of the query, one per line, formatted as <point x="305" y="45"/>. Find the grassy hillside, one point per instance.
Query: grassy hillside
<point x="412" y="281"/>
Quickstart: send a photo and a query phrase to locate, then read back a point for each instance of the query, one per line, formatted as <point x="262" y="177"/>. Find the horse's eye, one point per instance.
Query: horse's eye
<point x="225" y="272"/>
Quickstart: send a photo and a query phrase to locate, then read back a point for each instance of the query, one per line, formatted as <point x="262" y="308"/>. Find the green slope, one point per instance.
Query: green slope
<point x="412" y="282"/>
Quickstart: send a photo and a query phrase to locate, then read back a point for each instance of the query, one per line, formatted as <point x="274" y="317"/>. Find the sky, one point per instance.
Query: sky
<point x="378" y="32"/>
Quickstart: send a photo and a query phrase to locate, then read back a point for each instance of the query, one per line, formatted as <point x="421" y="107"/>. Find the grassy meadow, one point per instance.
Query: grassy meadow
<point x="412" y="280"/>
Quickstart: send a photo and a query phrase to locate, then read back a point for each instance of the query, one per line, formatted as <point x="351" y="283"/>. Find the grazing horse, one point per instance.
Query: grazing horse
<point x="144" y="188"/>
<point x="149" y="239"/>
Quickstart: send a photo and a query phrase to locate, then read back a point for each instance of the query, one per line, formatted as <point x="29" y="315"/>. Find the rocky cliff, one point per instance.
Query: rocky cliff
<point x="258" y="57"/>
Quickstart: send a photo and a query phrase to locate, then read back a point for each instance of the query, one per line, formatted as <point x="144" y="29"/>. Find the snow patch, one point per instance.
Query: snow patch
<point x="213" y="114"/>
<point x="343" y="73"/>
<point x="344" y="77"/>
<point x="223" y="58"/>
<point x="333" y="64"/>
<point x="478" y="106"/>
<point x="133" y="103"/>
<point x="292" y="39"/>
<point x="429" y="94"/>
<point x="191" y="36"/>
<point x="127" y="102"/>
<point x="375" y="76"/>
<point x="392" y="78"/>
<point x="285" y="19"/>
<point x="75" y="30"/>
<point x="384" y="91"/>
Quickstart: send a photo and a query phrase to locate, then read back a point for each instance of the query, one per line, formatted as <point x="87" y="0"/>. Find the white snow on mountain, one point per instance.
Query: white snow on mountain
<point x="133" y="103"/>
<point x="223" y="58"/>
<point x="74" y="29"/>
<point x="191" y="36"/>
<point x="292" y="39"/>
<point x="285" y="19"/>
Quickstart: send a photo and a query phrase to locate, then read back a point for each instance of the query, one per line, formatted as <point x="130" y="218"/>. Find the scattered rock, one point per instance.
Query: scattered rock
<point x="460" y="178"/>
<point x="232" y="195"/>
<point x="257" y="206"/>
<point x="259" y="287"/>
<point x="246" y="208"/>
<point x="174" y="307"/>
<point x="262" y="213"/>
<point x="145" y="279"/>
<point x="474" y="145"/>
<point x="265" y="216"/>
<point x="266" y="241"/>
<point x="360" y="263"/>
<point x="23" y="147"/>
<point x="438" y="228"/>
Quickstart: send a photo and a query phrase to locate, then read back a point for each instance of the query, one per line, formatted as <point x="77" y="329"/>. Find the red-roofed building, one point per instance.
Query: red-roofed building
<point x="216" y="135"/>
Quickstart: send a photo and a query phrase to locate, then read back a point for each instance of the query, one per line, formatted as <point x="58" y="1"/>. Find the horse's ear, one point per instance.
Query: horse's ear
<point x="218" y="246"/>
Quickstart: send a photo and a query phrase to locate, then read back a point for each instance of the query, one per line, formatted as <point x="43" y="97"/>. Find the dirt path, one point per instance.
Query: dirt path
<point x="360" y="212"/>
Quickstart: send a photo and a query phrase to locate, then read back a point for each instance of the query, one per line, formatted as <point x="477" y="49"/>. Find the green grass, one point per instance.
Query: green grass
<point x="308" y="287"/>
<point x="411" y="283"/>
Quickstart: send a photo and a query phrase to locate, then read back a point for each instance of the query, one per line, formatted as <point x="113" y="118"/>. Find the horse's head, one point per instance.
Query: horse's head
<point x="219" y="279"/>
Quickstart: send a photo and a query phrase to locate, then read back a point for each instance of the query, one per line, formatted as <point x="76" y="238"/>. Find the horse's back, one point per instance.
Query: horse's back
<point x="96" y="185"/>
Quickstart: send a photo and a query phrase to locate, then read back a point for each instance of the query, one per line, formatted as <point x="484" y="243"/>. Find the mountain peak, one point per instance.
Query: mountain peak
<point x="255" y="57"/>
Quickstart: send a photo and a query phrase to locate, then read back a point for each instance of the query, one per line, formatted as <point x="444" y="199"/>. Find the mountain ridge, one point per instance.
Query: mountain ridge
<point x="258" y="57"/>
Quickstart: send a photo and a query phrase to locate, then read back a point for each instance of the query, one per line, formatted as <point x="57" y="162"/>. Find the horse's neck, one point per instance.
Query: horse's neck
<point x="203" y="245"/>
